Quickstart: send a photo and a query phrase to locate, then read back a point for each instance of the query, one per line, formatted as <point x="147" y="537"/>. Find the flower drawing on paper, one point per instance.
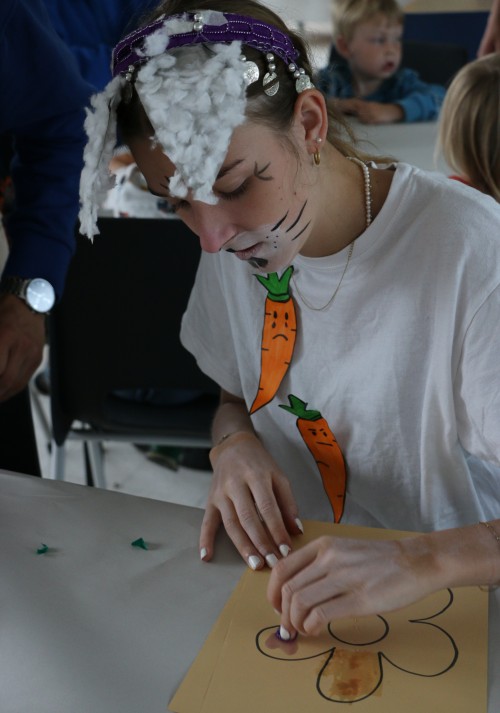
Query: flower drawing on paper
<point x="352" y="654"/>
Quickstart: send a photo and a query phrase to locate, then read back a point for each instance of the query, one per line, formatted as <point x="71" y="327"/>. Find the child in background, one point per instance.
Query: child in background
<point x="469" y="130"/>
<point x="365" y="76"/>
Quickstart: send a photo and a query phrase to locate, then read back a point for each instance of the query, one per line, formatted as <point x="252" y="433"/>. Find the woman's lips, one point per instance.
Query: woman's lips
<point x="247" y="253"/>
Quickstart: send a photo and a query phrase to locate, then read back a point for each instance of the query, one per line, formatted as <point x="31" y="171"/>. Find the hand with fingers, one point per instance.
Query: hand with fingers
<point x="252" y="498"/>
<point x="22" y="338"/>
<point x="333" y="577"/>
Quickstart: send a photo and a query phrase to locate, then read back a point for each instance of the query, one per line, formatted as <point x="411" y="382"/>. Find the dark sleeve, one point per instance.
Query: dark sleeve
<point x="42" y="100"/>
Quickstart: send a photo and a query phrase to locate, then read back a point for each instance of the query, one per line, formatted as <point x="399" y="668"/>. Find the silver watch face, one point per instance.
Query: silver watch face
<point x="40" y="295"/>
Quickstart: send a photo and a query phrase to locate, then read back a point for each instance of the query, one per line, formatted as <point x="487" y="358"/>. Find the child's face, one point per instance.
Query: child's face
<point x="374" y="52"/>
<point x="265" y="210"/>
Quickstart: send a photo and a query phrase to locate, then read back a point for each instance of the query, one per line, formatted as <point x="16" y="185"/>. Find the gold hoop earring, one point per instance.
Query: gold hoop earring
<point x="317" y="157"/>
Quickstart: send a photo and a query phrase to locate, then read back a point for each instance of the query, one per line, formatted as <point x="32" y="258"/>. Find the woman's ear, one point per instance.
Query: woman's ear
<point x="311" y="118"/>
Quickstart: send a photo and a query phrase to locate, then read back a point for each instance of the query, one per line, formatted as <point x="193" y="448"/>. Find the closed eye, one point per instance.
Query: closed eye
<point x="231" y="195"/>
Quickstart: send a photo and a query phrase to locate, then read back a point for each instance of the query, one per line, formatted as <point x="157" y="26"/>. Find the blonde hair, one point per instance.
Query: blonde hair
<point x="348" y="14"/>
<point x="469" y="129"/>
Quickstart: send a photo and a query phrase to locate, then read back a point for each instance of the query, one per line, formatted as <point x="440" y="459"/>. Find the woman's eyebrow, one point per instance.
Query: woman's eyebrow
<point x="229" y="167"/>
<point x="222" y="172"/>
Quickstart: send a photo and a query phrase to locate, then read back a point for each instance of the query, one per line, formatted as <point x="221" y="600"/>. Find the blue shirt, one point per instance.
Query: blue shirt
<point x="91" y="28"/>
<point x="42" y="100"/>
<point x="419" y="100"/>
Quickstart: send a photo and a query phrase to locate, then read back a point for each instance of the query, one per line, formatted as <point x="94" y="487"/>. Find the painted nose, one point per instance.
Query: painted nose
<point x="212" y="229"/>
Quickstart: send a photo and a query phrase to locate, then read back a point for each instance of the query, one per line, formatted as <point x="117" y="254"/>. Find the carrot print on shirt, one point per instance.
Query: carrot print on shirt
<point x="325" y="450"/>
<point x="278" y="336"/>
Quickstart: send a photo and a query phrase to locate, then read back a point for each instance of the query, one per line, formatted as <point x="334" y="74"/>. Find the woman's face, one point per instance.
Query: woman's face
<point x="265" y="198"/>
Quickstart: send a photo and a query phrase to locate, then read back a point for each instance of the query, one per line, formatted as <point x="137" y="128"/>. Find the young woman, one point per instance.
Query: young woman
<point x="348" y="309"/>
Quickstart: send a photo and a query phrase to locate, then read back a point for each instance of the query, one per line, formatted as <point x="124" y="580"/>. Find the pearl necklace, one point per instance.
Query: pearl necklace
<point x="368" y="213"/>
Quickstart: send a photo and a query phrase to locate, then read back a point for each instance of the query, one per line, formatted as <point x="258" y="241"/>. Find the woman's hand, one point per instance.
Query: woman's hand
<point x="333" y="577"/>
<point x="253" y="499"/>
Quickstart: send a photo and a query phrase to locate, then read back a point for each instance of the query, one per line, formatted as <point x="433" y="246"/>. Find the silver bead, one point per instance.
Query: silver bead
<point x="296" y="74"/>
<point x="269" y="56"/>
<point x="197" y="17"/>
<point x="292" y="67"/>
<point x="271" y="66"/>
<point x="197" y="26"/>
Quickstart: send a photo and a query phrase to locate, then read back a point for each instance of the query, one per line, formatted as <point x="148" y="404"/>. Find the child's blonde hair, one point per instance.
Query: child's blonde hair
<point x="348" y="14"/>
<point x="469" y="129"/>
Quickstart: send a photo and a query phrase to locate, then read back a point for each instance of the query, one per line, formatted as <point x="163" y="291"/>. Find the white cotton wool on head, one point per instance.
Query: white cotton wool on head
<point x="194" y="98"/>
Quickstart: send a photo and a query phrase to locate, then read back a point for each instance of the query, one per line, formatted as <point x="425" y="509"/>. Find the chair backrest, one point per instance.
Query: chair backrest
<point x="435" y="62"/>
<point x="117" y="326"/>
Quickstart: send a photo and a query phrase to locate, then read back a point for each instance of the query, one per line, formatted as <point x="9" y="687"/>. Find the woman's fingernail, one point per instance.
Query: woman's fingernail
<point x="203" y="553"/>
<point x="299" y="524"/>
<point x="277" y="612"/>
<point x="284" y="634"/>
<point x="271" y="560"/>
<point x="284" y="549"/>
<point x="254" y="561"/>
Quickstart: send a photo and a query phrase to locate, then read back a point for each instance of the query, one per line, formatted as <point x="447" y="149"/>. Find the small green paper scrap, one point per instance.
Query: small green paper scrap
<point x="140" y="543"/>
<point x="42" y="549"/>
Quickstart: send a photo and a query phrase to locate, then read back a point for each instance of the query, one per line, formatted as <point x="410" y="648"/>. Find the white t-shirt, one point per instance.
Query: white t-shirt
<point x="403" y="365"/>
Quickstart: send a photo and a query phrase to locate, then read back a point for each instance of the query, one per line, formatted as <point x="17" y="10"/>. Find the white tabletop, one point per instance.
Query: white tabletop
<point x="410" y="143"/>
<point x="96" y="625"/>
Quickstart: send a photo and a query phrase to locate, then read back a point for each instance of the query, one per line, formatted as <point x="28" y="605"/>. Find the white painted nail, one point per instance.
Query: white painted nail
<point x="284" y="549"/>
<point x="299" y="524"/>
<point x="277" y="612"/>
<point x="203" y="553"/>
<point x="284" y="634"/>
<point x="254" y="561"/>
<point x="271" y="560"/>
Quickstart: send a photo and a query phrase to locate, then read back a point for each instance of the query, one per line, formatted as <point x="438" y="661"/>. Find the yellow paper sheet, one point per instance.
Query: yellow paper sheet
<point x="429" y="657"/>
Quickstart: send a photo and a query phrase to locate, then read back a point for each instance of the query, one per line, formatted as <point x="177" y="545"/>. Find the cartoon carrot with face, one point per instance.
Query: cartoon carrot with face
<point x="325" y="450"/>
<point x="278" y="336"/>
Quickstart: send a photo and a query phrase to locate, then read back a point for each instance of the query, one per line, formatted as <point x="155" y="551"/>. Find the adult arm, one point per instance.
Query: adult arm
<point x="42" y="99"/>
<point x="334" y="577"/>
<point x="490" y="41"/>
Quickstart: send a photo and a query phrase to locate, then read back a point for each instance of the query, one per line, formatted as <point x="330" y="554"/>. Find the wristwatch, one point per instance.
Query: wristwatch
<point x="37" y="292"/>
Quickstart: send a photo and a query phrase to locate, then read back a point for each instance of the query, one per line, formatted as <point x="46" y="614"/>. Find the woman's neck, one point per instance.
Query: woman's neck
<point x="341" y="206"/>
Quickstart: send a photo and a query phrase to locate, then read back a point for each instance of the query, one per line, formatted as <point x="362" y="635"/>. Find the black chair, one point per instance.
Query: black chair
<point x="117" y="328"/>
<point x="435" y="62"/>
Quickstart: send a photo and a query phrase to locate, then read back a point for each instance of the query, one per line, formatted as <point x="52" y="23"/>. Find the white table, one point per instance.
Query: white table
<point x="410" y="143"/>
<point x="98" y="626"/>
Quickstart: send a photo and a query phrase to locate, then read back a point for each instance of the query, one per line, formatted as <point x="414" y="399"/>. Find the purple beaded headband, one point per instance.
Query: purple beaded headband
<point x="128" y="53"/>
<point x="254" y="33"/>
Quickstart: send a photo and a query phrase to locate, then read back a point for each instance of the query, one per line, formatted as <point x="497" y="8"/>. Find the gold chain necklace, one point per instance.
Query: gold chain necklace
<point x="368" y="213"/>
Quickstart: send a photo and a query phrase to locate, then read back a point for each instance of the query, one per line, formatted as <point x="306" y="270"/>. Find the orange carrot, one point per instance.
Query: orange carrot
<point x="278" y="336"/>
<point x="325" y="450"/>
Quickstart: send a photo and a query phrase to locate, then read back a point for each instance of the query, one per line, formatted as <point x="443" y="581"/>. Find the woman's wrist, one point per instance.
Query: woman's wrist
<point x="466" y="556"/>
<point x="227" y="440"/>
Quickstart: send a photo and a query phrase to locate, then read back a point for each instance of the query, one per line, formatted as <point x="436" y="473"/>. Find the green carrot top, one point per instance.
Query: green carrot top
<point x="299" y="408"/>
<point x="277" y="287"/>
